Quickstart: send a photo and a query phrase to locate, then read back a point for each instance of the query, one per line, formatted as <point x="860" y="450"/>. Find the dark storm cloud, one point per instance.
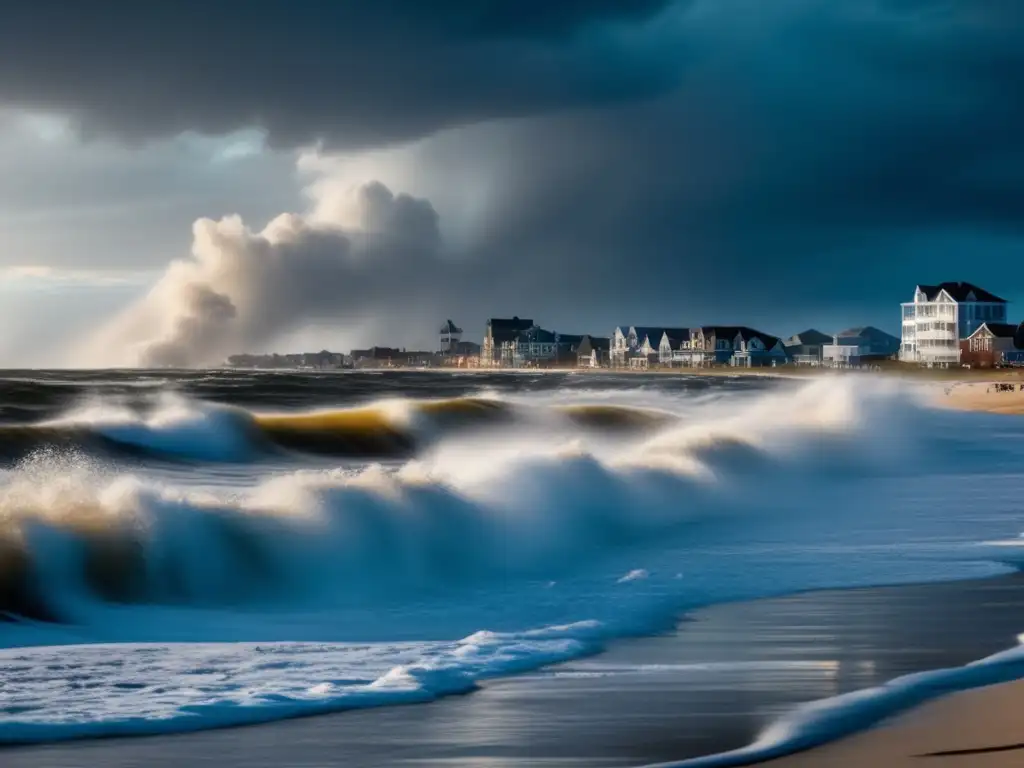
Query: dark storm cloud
<point x="714" y="160"/>
<point x="350" y="73"/>
<point x="812" y="156"/>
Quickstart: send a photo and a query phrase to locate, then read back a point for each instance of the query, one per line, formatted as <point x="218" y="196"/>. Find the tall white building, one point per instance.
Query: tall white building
<point x="940" y="316"/>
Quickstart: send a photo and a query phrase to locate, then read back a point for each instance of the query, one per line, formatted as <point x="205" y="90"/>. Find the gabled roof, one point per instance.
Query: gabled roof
<point x="536" y="335"/>
<point x="677" y="336"/>
<point x="810" y="336"/>
<point x="720" y="331"/>
<point x="999" y="330"/>
<point x="450" y="327"/>
<point x="654" y="334"/>
<point x="868" y="332"/>
<point x="507" y="329"/>
<point x="594" y="343"/>
<point x="730" y="332"/>
<point x="767" y="339"/>
<point x="570" y="339"/>
<point x="651" y="333"/>
<point x="959" y="292"/>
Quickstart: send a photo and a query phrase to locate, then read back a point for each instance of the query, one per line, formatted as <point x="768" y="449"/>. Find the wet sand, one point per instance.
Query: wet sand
<point x="710" y="686"/>
<point x="983" y="728"/>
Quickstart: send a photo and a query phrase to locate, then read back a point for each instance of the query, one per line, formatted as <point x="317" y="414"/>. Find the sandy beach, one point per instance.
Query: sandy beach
<point x="996" y="396"/>
<point x="983" y="728"/>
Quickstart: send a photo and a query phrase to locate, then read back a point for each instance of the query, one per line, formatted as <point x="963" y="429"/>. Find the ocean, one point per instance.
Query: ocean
<point x="194" y="550"/>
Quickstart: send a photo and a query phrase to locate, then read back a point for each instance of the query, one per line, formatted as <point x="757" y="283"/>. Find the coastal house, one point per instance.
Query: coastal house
<point x="735" y="345"/>
<point x="941" y="316"/>
<point x="450" y="335"/>
<point x="497" y="337"/>
<point x="622" y="344"/>
<point x="804" y="348"/>
<point x="712" y="344"/>
<point x="539" y="346"/>
<point x="637" y="346"/>
<point x="593" y="352"/>
<point x="754" y="349"/>
<point x="529" y="347"/>
<point x="856" y="346"/>
<point x="674" y="347"/>
<point x="567" y="348"/>
<point x="991" y="345"/>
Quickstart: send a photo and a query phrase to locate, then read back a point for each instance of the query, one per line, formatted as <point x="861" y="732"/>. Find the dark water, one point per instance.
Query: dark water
<point x="29" y="396"/>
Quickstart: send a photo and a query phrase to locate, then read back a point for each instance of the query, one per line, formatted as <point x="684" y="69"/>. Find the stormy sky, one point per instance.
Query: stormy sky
<point x="184" y="179"/>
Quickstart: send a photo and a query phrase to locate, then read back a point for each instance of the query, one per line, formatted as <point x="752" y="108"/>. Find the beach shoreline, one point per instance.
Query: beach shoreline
<point x="714" y="684"/>
<point x="976" y="728"/>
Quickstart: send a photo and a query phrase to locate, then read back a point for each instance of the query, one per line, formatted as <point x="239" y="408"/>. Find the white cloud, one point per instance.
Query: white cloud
<point x="242" y="289"/>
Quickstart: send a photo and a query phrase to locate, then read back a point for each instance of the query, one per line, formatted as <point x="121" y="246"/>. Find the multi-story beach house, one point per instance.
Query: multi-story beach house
<point x="499" y="332"/>
<point x="674" y="347"/>
<point x="636" y="346"/>
<point x="941" y="316"/>
<point x="735" y="345"/>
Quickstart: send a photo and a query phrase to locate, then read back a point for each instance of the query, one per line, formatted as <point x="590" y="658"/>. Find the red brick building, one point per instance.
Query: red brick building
<point x="986" y="347"/>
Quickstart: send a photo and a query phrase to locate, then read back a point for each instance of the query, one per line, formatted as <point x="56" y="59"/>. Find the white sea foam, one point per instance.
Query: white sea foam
<point x="65" y="692"/>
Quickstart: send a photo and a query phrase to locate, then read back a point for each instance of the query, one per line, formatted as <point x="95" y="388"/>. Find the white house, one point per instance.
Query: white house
<point x="942" y="315"/>
<point x="675" y="347"/>
<point x="622" y="344"/>
<point x="636" y="346"/>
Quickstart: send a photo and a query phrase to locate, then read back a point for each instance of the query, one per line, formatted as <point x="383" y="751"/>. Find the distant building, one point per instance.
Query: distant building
<point x="941" y="316"/>
<point x="856" y="346"/>
<point x="754" y="349"/>
<point x="623" y="343"/>
<point x="300" y="360"/>
<point x="592" y="352"/>
<point x="376" y="357"/>
<point x="533" y="346"/>
<point x="804" y="348"/>
<point x="674" y="347"/>
<point x="991" y="345"/>
<point x="466" y="349"/>
<point x="735" y="345"/>
<point x="499" y="332"/>
<point x="637" y="346"/>
<point x="567" y="348"/>
<point x="712" y="344"/>
<point x="449" y="338"/>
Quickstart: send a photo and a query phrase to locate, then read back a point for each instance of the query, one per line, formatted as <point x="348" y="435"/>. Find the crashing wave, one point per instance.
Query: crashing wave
<point x="466" y="515"/>
<point x="177" y="428"/>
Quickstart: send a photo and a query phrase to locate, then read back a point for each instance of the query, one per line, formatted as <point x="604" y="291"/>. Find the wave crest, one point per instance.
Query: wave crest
<point x="178" y="428"/>
<point x="464" y="515"/>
